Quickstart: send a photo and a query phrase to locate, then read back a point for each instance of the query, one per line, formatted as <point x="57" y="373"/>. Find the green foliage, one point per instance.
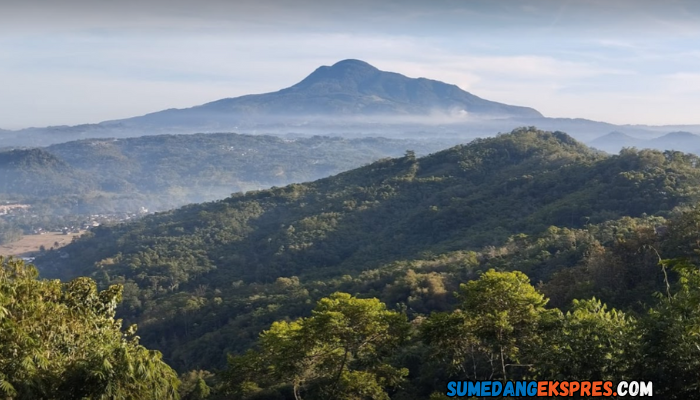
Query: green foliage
<point x="500" y="330"/>
<point x="505" y="312"/>
<point x="670" y="353"/>
<point x="590" y="343"/>
<point x="61" y="341"/>
<point x="497" y="324"/>
<point x="340" y="352"/>
<point x="477" y="220"/>
<point x="196" y="385"/>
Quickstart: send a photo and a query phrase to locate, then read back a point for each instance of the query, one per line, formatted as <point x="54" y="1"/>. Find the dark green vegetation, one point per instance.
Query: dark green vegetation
<point x="204" y="281"/>
<point x="340" y="352"/>
<point x="61" y="341"/>
<point x="501" y="328"/>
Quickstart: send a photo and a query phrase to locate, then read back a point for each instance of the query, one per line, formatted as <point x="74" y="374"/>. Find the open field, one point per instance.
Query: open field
<point x="29" y="245"/>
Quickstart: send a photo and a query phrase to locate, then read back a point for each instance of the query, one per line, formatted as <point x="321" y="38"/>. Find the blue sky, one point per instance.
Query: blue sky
<point x="72" y="62"/>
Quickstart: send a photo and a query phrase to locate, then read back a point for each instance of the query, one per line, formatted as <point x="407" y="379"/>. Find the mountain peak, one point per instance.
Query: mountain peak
<point x="679" y="135"/>
<point x="616" y="135"/>
<point x="614" y="141"/>
<point x="30" y="157"/>
<point x="345" y="73"/>
<point x="352" y="63"/>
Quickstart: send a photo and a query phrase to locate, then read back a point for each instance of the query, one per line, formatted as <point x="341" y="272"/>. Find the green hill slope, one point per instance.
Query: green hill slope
<point x="205" y="279"/>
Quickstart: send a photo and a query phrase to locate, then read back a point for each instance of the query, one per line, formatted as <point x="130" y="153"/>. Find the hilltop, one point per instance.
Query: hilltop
<point x="38" y="173"/>
<point x="681" y="141"/>
<point x="614" y="141"/>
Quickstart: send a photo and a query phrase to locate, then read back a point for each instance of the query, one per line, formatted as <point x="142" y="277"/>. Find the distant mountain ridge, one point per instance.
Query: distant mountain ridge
<point x="681" y="141"/>
<point x="37" y="172"/>
<point x="614" y="141"/>
<point x="350" y="98"/>
<point x="342" y="95"/>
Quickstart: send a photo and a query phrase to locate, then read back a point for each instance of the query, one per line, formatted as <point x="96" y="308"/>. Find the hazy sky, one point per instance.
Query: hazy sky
<point x="622" y="61"/>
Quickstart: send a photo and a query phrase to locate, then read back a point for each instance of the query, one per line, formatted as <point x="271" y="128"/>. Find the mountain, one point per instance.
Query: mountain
<point x="349" y="88"/>
<point x="37" y="173"/>
<point x="353" y="87"/>
<point x="614" y="141"/>
<point x="349" y="96"/>
<point x="205" y="279"/>
<point x="682" y="141"/>
<point x="161" y="172"/>
<point x="679" y="141"/>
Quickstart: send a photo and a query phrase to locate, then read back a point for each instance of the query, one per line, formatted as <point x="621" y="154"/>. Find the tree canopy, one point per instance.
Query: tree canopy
<point x="61" y="341"/>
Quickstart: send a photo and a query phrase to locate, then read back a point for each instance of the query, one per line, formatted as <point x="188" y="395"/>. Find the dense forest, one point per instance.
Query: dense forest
<point x="498" y="259"/>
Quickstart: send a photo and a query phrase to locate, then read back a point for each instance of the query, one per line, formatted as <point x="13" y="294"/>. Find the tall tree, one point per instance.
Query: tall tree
<point x="340" y="352"/>
<point x="590" y="343"/>
<point x="499" y="322"/>
<point x="61" y="341"/>
<point x="670" y="353"/>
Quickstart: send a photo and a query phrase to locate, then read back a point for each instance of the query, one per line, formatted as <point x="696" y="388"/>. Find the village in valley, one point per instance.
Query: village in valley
<point x="41" y="234"/>
<point x="6" y="209"/>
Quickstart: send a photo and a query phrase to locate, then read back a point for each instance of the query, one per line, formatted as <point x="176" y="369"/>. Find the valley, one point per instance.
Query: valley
<point x="29" y="246"/>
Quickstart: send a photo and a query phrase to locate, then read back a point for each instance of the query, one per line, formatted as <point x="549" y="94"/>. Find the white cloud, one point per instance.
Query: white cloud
<point x="66" y="99"/>
<point x="682" y="83"/>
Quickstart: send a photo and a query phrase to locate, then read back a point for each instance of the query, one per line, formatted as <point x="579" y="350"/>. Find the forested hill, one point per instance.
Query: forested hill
<point x="37" y="172"/>
<point x="166" y="171"/>
<point x="205" y="279"/>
